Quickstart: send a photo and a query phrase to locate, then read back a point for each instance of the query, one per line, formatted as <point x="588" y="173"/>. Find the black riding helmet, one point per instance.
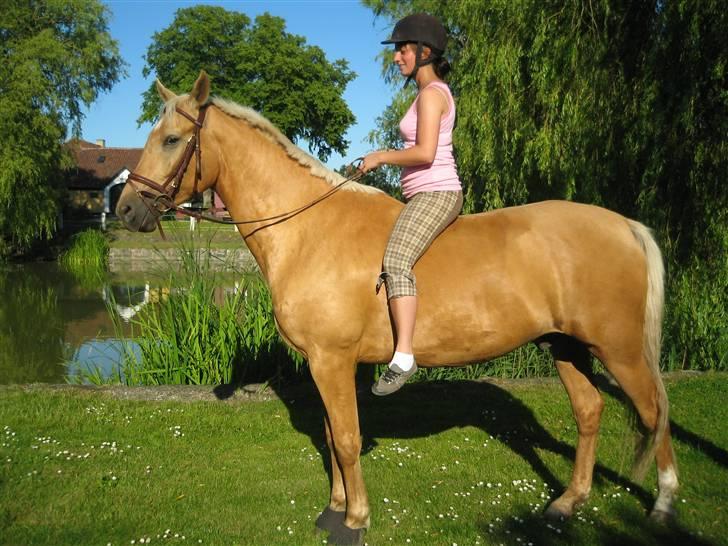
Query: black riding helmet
<point x="421" y="29"/>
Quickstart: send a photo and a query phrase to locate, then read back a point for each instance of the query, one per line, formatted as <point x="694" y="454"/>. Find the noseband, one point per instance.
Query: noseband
<point x="163" y="201"/>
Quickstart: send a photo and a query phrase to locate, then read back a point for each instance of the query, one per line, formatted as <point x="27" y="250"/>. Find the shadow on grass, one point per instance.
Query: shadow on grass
<point x="678" y="432"/>
<point x="634" y="529"/>
<point x="718" y="454"/>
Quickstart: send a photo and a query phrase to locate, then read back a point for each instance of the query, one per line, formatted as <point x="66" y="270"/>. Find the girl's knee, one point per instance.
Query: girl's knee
<point x="398" y="284"/>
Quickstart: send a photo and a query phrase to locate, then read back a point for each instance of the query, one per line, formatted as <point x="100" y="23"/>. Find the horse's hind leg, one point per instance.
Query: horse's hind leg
<point x="573" y="364"/>
<point x="647" y="393"/>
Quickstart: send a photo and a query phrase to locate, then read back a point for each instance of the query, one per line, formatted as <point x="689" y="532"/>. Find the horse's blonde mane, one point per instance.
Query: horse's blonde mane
<point x="256" y="120"/>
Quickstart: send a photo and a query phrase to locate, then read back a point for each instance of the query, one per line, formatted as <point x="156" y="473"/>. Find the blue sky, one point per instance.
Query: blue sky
<point x="342" y="28"/>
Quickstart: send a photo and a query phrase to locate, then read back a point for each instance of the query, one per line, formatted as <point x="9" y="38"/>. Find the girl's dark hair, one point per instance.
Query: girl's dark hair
<point x="441" y="66"/>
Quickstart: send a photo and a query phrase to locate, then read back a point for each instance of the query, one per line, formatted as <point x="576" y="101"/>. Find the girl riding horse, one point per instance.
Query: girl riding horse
<point x="430" y="182"/>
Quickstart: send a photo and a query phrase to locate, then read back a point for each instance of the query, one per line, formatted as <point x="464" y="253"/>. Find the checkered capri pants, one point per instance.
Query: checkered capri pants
<point x="423" y="218"/>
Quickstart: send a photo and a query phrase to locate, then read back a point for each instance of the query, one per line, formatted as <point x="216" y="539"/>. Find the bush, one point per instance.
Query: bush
<point x="696" y="323"/>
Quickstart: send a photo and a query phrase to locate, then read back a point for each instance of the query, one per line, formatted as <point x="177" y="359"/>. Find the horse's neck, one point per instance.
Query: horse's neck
<point x="258" y="179"/>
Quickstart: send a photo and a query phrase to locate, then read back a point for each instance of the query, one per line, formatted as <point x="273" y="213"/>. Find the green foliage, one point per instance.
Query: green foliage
<point x="623" y="105"/>
<point x="56" y="57"/>
<point x="259" y="65"/>
<point x="696" y="319"/>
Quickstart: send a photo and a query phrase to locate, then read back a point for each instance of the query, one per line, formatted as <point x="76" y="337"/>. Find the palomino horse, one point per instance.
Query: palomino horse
<point x="581" y="279"/>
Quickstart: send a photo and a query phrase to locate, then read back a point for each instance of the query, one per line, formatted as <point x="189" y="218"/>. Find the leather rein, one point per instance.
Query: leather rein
<point x="163" y="201"/>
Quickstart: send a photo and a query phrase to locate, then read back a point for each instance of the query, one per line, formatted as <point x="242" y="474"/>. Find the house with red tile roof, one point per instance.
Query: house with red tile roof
<point x="99" y="173"/>
<point x="98" y="176"/>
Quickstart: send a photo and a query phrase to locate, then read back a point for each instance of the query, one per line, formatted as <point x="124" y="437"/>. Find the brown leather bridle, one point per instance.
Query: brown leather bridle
<point x="163" y="201"/>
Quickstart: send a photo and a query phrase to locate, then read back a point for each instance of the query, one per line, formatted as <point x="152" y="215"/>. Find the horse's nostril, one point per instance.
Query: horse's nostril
<point x="125" y="213"/>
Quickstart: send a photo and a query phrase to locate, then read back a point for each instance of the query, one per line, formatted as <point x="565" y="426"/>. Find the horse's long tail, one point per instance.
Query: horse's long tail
<point x="652" y="336"/>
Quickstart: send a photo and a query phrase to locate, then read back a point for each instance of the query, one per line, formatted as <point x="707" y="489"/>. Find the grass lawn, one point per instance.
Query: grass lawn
<point x="458" y="463"/>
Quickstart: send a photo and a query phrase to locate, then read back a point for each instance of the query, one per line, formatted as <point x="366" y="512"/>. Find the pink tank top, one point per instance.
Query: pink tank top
<point x="441" y="174"/>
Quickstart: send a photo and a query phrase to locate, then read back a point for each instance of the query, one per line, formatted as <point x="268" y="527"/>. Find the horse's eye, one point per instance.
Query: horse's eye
<point x="171" y="140"/>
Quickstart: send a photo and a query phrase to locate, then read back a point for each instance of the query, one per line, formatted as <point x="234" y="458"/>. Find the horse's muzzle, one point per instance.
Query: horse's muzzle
<point x="136" y="216"/>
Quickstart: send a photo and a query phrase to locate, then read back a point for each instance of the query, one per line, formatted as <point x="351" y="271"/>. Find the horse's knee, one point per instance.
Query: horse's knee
<point x="588" y="414"/>
<point x="348" y="448"/>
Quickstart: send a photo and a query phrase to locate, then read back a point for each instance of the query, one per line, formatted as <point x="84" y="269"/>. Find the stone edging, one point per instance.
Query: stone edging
<point x="260" y="392"/>
<point x="139" y="258"/>
<point x="161" y="393"/>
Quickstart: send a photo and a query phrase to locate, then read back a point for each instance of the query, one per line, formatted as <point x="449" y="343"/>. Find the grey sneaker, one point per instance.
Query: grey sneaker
<point x="393" y="379"/>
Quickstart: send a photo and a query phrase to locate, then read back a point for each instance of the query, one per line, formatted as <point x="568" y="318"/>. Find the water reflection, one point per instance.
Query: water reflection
<point x="98" y="357"/>
<point x="126" y="305"/>
<point x="48" y="317"/>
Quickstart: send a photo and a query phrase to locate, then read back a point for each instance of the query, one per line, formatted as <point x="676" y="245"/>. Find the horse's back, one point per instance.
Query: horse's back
<point x="541" y="216"/>
<point x="561" y="229"/>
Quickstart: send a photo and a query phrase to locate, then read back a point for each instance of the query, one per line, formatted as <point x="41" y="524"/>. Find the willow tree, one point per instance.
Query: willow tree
<point x="621" y="104"/>
<point x="55" y="57"/>
<point x="258" y="65"/>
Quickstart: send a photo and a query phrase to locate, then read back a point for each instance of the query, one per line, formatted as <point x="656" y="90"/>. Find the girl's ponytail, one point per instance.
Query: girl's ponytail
<point x="441" y="66"/>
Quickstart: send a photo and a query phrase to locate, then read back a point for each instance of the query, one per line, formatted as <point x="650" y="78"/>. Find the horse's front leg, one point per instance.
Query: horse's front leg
<point x="334" y="376"/>
<point x="333" y="516"/>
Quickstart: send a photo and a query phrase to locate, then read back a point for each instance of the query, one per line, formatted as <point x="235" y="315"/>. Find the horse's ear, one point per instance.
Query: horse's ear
<point x="165" y="93"/>
<point x="201" y="90"/>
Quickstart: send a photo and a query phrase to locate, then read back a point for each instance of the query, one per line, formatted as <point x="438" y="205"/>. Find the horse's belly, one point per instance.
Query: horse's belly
<point x="461" y="323"/>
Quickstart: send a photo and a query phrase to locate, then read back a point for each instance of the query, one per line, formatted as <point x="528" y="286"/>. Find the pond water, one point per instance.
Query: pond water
<point x="51" y="321"/>
<point x="49" y="318"/>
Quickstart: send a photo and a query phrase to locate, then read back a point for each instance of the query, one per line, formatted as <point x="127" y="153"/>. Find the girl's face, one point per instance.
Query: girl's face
<point x="404" y="57"/>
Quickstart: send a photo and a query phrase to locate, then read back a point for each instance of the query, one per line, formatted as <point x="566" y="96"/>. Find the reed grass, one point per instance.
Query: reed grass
<point x="200" y="335"/>
<point x="524" y="362"/>
<point x="696" y="322"/>
<point x="87" y="258"/>
<point x="88" y="248"/>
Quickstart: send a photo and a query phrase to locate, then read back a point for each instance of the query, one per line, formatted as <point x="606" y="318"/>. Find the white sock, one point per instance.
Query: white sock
<point x="404" y="361"/>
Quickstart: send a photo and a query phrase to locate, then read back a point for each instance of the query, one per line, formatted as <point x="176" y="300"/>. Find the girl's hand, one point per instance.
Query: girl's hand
<point x="371" y="161"/>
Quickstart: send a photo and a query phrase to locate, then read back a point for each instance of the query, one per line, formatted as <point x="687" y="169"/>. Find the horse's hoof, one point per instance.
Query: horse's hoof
<point x="555" y="514"/>
<point x="329" y="519"/>
<point x="345" y="536"/>
<point x="663" y="517"/>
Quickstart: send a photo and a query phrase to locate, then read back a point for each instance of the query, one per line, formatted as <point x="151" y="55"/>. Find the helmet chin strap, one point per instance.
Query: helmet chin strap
<point x="418" y="63"/>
